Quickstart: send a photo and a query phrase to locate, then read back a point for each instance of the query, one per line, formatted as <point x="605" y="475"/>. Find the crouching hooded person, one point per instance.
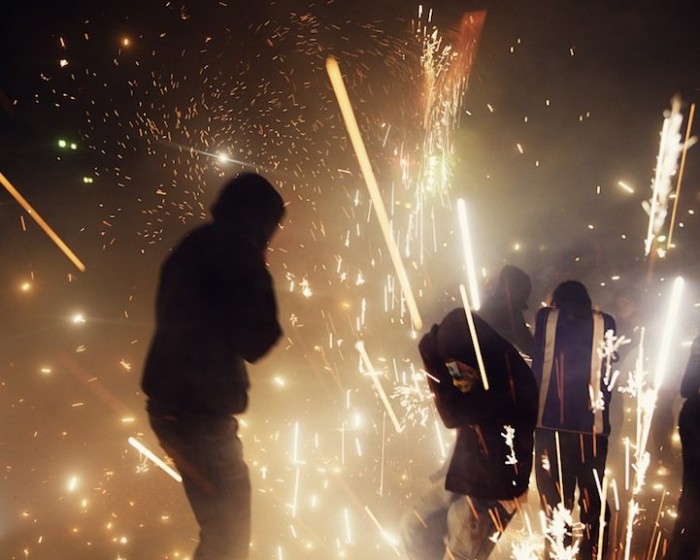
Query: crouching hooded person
<point x="215" y="310"/>
<point x="474" y="497"/>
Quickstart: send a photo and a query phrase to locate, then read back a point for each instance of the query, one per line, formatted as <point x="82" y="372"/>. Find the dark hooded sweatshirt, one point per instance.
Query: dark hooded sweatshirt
<point x="215" y="309"/>
<point x="479" y="464"/>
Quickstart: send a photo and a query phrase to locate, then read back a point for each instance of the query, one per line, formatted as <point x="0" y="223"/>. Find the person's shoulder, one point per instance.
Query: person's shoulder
<point x="543" y="312"/>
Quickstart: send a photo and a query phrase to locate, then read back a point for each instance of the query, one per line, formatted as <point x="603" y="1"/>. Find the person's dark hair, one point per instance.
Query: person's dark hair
<point x="572" y="297"/>
<point x="249" y="201"/>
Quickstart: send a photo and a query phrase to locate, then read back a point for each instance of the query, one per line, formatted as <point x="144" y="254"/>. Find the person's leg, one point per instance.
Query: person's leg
<point x="473" y="527"/>
<point x="593" y="452"/>
<point x="547" y="473"/>
<point x="215" y="477"/>
<point x="424" y="526"/>
<point x="685" y="538"/>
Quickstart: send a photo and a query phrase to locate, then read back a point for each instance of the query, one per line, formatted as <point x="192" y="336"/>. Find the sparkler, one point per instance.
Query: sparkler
<point x="153" y="457"/>
<point x="353" y="129"/>
<point x="42" y="224"/>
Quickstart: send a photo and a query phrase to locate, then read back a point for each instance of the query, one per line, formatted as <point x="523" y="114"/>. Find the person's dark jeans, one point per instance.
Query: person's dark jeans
<point x="581" y="455"/>
<point x="209" y="456"/>
<point x="685" y="539"/>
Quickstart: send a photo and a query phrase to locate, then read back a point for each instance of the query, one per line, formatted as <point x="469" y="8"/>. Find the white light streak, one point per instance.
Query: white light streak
<point x="475" y="338"/>
<point x="341" y="94"/>
<point x="667" y="338"/>
<point x="360" y="347"/>
<point x="153" y="457"/>
<point x="468" y="254"/>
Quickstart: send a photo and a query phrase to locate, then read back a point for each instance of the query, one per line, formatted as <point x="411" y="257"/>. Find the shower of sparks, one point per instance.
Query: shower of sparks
<point x="141" y="448"/>
<point x="670" y="148"/>
<point x="377" y="203"/>
<point x="558" y="528"/>
<point x="374" y="374"/>
<point x="415" y="400"/>
<point x="509" y="436"/>
<point x="41" y="223"/>
<point x="606" y="350"/>
<point x="645" y="394"/>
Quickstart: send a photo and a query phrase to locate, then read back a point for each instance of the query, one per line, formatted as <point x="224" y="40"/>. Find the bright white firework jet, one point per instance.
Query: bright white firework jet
<point x="646" y="396"/>
<point x="475" y="338"/>
<point x="468" y="254"/>
<point x="670" y="149"/>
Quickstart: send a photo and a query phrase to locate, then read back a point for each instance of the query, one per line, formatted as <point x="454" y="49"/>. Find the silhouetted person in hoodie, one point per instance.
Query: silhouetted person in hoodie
<point x="503" y="309"/>
<point x="215" y="310"/>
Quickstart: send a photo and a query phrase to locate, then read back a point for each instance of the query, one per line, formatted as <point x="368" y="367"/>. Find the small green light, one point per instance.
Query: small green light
<point x="87" y="180"/>
<point x="73" y="146"/>
<point x="62" y="143"/>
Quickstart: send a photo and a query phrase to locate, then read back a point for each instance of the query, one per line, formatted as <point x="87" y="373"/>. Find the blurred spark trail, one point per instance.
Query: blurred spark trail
<point x="42" y="224"/>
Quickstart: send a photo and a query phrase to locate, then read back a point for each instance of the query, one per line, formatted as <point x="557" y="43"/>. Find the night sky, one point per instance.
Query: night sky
<point x="565" y="101"/>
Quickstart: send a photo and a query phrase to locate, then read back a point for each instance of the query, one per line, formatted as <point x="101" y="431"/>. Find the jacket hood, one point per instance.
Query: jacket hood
<point x="249" y="203"/>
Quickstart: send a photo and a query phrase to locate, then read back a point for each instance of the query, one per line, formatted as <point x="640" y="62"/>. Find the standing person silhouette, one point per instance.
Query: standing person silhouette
<point x="503" y="309"/>
<point x="685" y="539"/>
<point x="571" y="377"/>
<point x="215" y="310"/>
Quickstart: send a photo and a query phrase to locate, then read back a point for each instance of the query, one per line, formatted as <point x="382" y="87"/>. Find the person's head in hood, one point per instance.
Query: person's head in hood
<point x="251" y="205"/>
<point x="514" y="286"/>
<point x="571" y="297"/>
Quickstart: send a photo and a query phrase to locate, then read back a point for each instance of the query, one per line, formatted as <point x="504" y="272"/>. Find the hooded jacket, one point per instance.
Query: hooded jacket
<point x="215" y="308"/>
<point x="569" y="369"/>
<point x="483" y="464"/>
